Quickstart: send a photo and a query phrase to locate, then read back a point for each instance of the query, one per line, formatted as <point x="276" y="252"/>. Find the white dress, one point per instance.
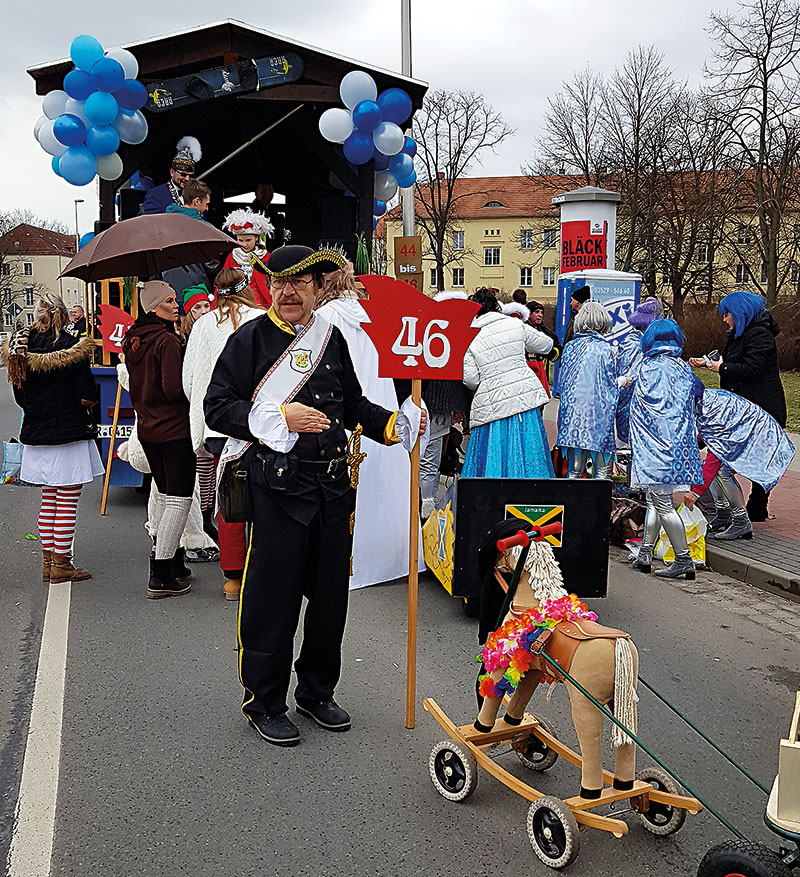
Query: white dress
<point x="380" y="543"/>
<point x="61" y="465"/>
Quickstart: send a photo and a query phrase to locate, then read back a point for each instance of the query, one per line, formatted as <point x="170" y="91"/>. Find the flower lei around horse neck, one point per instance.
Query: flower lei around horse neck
<point x="509" y="647"/>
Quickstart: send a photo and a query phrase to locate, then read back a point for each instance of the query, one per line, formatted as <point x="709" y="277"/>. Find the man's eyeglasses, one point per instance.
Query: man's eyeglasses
<point x="297" y="283"/>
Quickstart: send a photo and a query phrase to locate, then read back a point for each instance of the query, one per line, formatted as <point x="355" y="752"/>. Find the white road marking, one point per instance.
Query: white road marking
<point x="34" y="824"/>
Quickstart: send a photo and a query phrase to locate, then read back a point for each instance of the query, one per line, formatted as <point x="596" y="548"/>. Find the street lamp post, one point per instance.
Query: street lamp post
<point x="85" y="285"/>
<point x="407" y="195"/>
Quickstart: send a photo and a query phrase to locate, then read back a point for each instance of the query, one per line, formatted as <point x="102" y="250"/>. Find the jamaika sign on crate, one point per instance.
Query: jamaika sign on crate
<point x="415" y="336"/>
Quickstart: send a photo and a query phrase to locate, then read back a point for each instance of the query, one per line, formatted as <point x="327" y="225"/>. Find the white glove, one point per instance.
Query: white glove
<point x="407" y="426"/>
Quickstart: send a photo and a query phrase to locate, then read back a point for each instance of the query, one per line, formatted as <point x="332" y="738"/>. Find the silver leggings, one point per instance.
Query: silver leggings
<point x="661" y="513"/>
<point x="578" y="457"/>
<point x="725" y="491"/>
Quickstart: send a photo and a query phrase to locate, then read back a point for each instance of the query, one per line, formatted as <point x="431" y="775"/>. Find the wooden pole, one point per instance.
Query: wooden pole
<point x="413" y="573"/>
<point x="110" y="459"/>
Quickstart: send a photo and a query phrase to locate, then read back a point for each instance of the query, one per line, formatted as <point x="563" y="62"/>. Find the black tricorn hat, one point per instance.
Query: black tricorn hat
<point x="295" y="259"/>
<point x="582" y="294"/>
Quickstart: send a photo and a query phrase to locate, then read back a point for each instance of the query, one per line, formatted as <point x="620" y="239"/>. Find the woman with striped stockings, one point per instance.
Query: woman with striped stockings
<point x="53" y="384"/>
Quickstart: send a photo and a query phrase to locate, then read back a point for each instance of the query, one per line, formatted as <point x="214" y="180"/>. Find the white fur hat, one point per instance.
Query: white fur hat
<point x="449" y="294"/>
<point x="515" y="309"/>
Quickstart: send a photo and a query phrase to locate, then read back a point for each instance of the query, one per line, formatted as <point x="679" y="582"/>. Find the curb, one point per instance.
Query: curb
<point x="752" y="572"/>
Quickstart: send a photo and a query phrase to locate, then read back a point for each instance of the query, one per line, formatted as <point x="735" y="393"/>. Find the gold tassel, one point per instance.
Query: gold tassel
<point x="354" y="458"/>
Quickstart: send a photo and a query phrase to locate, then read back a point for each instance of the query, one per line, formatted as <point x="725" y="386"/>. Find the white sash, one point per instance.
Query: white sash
<point x="287" y="376"/>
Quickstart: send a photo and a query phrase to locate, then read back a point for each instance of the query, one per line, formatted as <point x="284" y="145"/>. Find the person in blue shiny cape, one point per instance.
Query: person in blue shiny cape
<point x="629" y="358"/>
<point x="588" y="387"/>
<point x="663" y="432"/>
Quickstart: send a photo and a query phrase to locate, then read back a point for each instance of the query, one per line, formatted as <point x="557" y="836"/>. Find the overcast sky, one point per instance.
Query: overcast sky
<point x="515" y="52"/>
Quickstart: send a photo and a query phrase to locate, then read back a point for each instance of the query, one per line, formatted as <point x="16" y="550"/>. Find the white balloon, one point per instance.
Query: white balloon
<point x="357" y="86"/>
<point x="336" y="125"/>
<point x="385" y="186"/>
<point x="54" y="102"/>
<point x="38" y="126"/>
<point x="47" y="140"/>
<point x="131" y="127"/>
<point x="77" y="108"/>
<point x="388" y="138"/>
<point x="109" y="167"/>
<point x="127" y="60"/>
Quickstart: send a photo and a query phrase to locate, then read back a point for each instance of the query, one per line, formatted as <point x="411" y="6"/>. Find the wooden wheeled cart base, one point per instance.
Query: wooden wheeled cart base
<point x="553" y="825"/>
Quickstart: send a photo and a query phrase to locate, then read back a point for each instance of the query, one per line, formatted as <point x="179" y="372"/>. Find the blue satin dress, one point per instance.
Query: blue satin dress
<point x="663" y="431"/>
<point x="629" y="359"/>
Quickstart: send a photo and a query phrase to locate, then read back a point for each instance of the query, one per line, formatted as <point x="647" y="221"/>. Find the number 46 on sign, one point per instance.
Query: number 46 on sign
<point x="415" y="336"/>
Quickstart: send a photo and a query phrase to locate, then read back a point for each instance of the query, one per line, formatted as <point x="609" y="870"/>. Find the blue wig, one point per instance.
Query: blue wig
<point x="744" y="307"/>
<point x="660" y="333"/>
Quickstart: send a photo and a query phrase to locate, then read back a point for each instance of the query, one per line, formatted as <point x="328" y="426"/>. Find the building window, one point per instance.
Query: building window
<point x="702" y="253"/>
<point x="743" y="236"/>
<point x="458" y="277"/>
<point x="27" y="269"/>
<point x="548" y="277"/>
<point x="434" y="279"/>
<point x="8" y="319"/>
<point x="29" y="296"/>
<point x="458" y="240"/>
<point x="550" y="238"/>
<point x="493" y="204"/>
<point x="29" y="318"/>
<point x="491" y="256"/>
<point x="763" y="273"/>
<point x="526" y="239"/>
<point x="6" y="269"/>
<point x="526" y="276"/>
<point x="741" y="273"/>
<point x="795" y="272"/>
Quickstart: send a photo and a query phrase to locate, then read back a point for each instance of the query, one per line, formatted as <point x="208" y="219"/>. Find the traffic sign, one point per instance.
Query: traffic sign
<point x="13" y="309"/>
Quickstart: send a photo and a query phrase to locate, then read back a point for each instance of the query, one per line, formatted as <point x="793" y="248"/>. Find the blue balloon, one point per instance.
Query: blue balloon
<point x="85" y="239"/>
<point x="367" y="116"/>
<point x="407" y="182"/>
<point x="358" y="147"/>
<point x="378" y="207"/>
<point x="374" y="222"/>
<point x="381" y="161"/>
<point x="131" y="95"/>
<point x="101" y="108"/>
<point x="85" y="52"/>
<point x="54" y="164"/>
<point x="409" y="147"/>
<point x="102" y="139"/>
<point x="401" y="166"/>
<point x="78" y="84"/>
<point x="69" y="130"/>
<point x="78" y="166"/>
<point x="395" y="105"/>
<point x="107" y="75"/>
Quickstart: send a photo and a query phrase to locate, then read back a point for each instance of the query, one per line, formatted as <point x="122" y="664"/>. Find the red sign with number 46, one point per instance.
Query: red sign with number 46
<point x="114" y="323"/>
<point x="415" y="336"/>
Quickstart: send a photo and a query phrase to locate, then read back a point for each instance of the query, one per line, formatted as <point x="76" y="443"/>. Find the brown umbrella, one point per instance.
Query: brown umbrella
<point x="147" y="245"/>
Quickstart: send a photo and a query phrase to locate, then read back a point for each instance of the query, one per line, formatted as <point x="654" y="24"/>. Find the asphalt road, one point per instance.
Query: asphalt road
<point x="160" y="774"/>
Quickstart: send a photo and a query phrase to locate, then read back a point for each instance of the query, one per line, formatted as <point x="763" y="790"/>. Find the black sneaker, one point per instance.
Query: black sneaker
<point x="202" y="555"/>
<point x="278" y="730"/>
<point x="163" y="583"/>
<point x="326" y="713"/>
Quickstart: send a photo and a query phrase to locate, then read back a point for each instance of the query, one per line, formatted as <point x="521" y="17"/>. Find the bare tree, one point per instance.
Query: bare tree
<point x="452" y="130"/>
<point x="10" y="219"/>
<point x="754" y="74"/>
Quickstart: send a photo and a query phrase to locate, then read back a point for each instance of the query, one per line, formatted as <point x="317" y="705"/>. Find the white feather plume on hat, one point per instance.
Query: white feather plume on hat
<point x="191" y="147"/>
<point x="245" y="221"/>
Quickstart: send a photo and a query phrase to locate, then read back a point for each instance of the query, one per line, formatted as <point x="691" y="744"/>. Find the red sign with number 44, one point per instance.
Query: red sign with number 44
<point x="415" y="336"/>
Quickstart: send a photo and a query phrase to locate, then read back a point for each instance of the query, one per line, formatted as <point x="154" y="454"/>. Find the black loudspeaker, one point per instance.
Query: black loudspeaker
<point x="130" y="200"/>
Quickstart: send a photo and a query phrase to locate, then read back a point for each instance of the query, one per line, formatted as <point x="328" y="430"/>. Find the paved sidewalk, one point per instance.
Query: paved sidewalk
<point x="771" y="560"/>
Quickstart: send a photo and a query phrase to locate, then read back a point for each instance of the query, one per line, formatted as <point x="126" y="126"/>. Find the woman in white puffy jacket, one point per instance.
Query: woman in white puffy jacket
<point x="235" y="305"/>
<point x="508" y="438"/>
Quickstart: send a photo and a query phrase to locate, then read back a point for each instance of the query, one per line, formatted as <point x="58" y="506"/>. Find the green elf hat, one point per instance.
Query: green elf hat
<point x="194" y="294"/>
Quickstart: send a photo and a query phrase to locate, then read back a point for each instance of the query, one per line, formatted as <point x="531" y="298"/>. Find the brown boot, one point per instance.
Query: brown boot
<point x="232" y="588"/>
<point x="62" y="570"/>
<point x="47" y="560"/>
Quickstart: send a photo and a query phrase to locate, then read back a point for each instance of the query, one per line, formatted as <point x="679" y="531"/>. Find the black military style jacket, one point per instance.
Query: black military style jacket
<point x="333" y="388"/>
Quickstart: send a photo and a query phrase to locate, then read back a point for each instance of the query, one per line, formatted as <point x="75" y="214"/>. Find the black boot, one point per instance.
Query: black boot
<point x="163" y="583"/>
<point x="179" y="569"/>
<point x="209" y="524"/>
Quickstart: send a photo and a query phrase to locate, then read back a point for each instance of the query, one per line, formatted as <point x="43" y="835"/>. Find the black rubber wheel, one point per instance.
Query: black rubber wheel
<point x="453" y="770"/>
<point x="553" y="832"/>
<point x="741" y="858"/>
<point x="535" y="754"/>
<point x="661" y="819"/>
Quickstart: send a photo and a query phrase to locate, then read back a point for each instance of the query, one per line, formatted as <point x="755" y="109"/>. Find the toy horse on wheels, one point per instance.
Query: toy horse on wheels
<point x="548" y="635"/>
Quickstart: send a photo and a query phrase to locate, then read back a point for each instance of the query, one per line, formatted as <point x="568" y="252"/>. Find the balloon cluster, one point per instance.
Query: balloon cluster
<point x="370" y="129"/>
<point x="99" y="106"/>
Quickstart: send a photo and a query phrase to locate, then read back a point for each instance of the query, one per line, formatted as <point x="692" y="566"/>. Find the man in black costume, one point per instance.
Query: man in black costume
<point x="286" y="383"/>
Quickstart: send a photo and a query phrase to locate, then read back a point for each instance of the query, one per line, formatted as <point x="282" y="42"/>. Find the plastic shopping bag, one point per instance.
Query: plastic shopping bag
<point x="696" y="528"/>
<point x="12" y="462"/>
